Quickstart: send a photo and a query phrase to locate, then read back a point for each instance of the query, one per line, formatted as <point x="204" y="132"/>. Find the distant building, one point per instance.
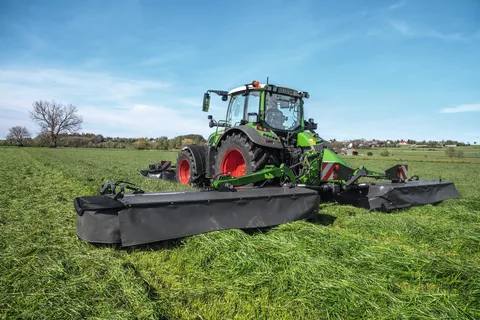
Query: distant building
<point x="349" y="151"/>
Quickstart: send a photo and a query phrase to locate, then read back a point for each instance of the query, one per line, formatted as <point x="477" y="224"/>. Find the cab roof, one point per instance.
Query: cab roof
<point x="261" y="86"/>
<point x="243" y="88"/>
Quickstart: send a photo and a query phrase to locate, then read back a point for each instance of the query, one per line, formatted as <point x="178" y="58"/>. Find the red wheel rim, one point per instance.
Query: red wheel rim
<point x="234" y="163"/>
<point x="184" y="172"/>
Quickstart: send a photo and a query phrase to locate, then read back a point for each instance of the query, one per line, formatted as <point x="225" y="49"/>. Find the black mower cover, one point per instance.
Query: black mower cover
<point x="151" y="217"/>
<point x="139" y="218"/>
<point x="388" y="196"/>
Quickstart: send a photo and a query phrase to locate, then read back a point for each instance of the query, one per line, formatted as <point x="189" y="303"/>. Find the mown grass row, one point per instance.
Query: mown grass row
<point x="93" y="167"/>
<point x="352" y="264"/>
<point x="45" y="272"/>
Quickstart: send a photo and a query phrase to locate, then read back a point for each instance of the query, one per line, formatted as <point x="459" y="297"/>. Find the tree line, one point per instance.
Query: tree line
<point x="59" y="125"/>
<point x="91" y="140"/>
<point x="367" y="144"/>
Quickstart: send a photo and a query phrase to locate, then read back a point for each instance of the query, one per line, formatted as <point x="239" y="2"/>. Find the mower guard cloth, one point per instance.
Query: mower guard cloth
<point x="150" y="217"/>
<point x="389" y="196"/>
<point x="160" y="174"/>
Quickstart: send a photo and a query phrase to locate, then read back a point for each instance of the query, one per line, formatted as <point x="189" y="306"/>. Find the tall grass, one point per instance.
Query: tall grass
<point x="421" y="263"/>
<point x="45" y="272"/>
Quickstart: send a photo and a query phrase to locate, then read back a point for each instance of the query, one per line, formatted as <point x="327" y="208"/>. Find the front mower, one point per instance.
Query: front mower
<point x="264" y="165"/>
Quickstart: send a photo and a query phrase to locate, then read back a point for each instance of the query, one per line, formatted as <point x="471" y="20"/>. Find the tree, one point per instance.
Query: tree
<point x="97" y="139"/>
<point x="18" y="135"/>
<point x="162" y="143"/>
<point x="56" y="119"/>
<point x="171" y="144"/>
<point x="187" y="141"/>
<point x="141" y="143"/>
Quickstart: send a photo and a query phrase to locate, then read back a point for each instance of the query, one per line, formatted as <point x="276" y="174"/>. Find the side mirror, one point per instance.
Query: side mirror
<point x="212" y="123"/>
<point x="310" y="125"/>
<point x="206" y="102"/>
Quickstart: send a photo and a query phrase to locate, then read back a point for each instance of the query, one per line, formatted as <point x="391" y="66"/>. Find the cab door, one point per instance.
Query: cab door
<point x="241" y="105"/>
<point x="236" y="110"/>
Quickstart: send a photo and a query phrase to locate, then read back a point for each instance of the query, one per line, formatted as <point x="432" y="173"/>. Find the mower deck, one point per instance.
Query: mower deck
<point x="150" y="217"/>
<point x="388" y="196"/>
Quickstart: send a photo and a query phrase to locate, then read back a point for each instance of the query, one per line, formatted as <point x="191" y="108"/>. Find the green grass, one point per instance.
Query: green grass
<point x="421" y="263"/>
<point x="471" y="153"/>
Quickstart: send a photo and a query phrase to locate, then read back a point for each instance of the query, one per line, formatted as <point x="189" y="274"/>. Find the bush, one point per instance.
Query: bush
<point x="450" y="152"/>
<point x="460" y="154"/>
<point x="369" y="153"/>
<point x="385" y="153"/>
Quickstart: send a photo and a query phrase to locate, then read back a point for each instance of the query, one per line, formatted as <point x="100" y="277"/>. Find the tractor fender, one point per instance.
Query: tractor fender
<point x="253" y="135"/>
<point x="199" y="154"/>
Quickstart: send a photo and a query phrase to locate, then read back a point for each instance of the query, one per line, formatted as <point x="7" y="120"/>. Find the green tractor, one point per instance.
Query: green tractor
<point x="262" y="166"/>
<point x="264" y="127"/>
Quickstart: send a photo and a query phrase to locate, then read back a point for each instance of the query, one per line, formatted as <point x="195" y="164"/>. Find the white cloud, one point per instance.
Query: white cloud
<point x="110" y="105"/>
<point x="142" y="120"/>
<point x="462" y="108"/>
<point x="397" y="5"/>
<point x="401" y="26"/>
<point x="191" y="102"/>
<point x="420" y="32"/>
<point x="19" y="88"/>
<point x="170" y="56"/>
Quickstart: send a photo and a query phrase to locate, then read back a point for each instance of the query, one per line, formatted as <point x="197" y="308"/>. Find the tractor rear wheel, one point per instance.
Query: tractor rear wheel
<point x="187" y="171"/>
<point x="238" y="156"/>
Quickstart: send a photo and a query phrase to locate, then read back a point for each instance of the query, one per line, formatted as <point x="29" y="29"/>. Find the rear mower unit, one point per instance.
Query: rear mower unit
<point x="264" y="165"/>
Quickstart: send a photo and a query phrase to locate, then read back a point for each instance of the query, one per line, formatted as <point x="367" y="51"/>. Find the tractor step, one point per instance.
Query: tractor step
<point x="151" y="217"/>
<point x="388" y="196"/>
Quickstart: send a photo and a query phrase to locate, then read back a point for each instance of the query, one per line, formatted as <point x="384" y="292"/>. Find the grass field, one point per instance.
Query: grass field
<point x="419" y="153"/>
<point x="421" y="263"/>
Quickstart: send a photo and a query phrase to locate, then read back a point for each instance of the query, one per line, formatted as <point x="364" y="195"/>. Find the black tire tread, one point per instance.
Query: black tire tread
<point x="196" y="180"/>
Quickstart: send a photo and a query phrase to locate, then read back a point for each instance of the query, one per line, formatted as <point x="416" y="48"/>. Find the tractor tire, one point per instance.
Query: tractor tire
<point x="187" y="171"/>
<point x="238" y="156"/>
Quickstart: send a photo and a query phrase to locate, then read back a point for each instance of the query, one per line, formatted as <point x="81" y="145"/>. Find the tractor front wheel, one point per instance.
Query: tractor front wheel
<point x="187" y="170"/>
<point x="238" y="156"/>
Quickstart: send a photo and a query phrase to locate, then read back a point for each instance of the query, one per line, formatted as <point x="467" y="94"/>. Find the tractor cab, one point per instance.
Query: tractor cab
<point x="265" y="106"/>
<point x="263" y="125"/>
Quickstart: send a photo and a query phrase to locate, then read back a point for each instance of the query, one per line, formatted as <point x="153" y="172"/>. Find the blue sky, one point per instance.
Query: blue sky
<point x="388" y="69"/>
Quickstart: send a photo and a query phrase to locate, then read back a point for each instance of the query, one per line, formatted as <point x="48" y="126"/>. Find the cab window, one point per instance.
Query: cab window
<point x="236" y="110"/>
<point x="253" y="103"/>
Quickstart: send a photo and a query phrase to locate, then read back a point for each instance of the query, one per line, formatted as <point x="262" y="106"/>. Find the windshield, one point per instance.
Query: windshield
<point x="282" y="112"/>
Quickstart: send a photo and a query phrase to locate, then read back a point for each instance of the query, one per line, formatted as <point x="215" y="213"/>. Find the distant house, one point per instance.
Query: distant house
<point x="403" y="143"/>
<point x="349" y="151"/>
